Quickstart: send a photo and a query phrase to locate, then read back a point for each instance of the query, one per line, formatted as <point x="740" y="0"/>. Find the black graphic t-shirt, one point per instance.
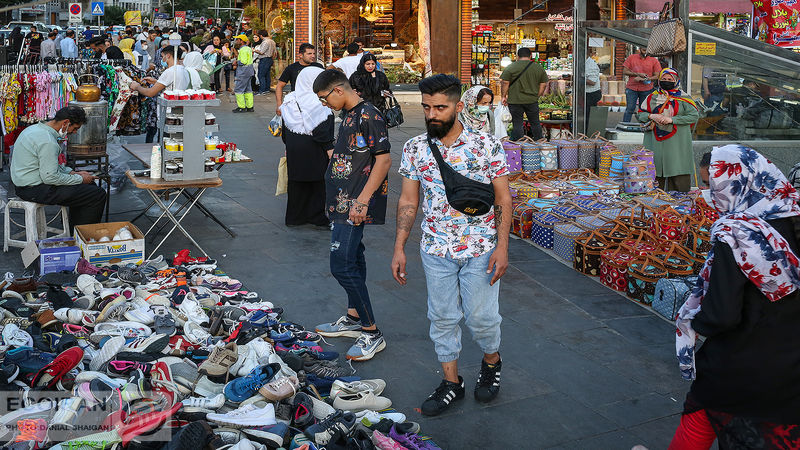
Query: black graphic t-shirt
<point x="362" y="136"/>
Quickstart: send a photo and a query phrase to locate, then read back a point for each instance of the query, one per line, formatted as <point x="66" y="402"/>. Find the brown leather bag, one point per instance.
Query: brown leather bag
<point x="668" y="36"/>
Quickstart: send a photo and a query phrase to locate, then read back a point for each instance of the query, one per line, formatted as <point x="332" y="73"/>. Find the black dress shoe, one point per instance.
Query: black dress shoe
<point x="240" y="110"/>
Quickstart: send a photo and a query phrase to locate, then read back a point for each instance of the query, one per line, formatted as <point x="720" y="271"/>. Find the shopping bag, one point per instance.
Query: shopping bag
<point x="667" y="37"/>
<point x="501" y="118"/>
<point x="283" y="177"/>
<point x="393" y="114"/>
<point x="275" y="125"/>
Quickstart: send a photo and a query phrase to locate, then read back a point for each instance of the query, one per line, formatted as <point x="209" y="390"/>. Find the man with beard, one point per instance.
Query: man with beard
<point x="356" y="188"/>
<point x="244" y="72"/>
<point x="641" y="71"/>
<point x="463" y="256"/>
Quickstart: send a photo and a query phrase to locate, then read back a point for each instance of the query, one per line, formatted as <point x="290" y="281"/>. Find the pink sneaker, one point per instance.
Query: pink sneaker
<point x="383" y="442"/>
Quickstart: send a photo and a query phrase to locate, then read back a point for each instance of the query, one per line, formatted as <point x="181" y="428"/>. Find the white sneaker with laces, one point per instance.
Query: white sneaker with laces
<point x="375" y="417"/>
<point x="247" y="361"/>
<point x="246" y="416"/>
<point x="107" y="351"/>
<point x="196" y="334"/>
<point x="191" y="308"/>
<point x="73" y="315"/>
<point x="208" y="388"/>
<point x="366" y="346"/>
<point x="67" y="413"/>
<point x="14" y="336"/>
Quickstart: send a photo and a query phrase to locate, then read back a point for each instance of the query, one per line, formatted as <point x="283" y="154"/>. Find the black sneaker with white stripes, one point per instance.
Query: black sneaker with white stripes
<point x="488" y="381"/>
<point x="445" y="394"/>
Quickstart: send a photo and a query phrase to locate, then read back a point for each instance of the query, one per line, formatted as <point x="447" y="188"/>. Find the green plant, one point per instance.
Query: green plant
<point x="114" y="15"/>
<point x="256" y="17"/>
<point x="401" y="75"/>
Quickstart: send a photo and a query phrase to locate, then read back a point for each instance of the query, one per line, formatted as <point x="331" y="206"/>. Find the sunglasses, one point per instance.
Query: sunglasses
<point x="324" y="99"/>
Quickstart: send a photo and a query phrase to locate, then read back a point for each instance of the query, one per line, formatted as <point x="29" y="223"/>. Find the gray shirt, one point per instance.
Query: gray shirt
<point x="48" y="49"/>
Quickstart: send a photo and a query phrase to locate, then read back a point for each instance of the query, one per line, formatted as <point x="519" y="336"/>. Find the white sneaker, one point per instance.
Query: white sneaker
<point x="195" y="334"/>
<point x="87" y="376"/>
<point x="73" y="315"/>
<point x="208" y="388"/>
<point x="67" y="412"/>
<point x="375" y="385"/>
<point x="14" y="336"/>
<point x="361" y="401"/>
<point x="191" y="308"/>
<point x="89" y="285"/>
<point x="108" y="351"/>
<point x="247" y="361"/>
<point x="203" y="404"/>
<point x="375" y="417"/>
<point x="246" y="416"/>
<point x="255" y="306"/>
<point x="321" y="410"/>
<point x="142" y="315"/>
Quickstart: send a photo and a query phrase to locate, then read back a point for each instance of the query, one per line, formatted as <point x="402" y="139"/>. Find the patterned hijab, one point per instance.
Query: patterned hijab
<point x="747" y="190"/>
<point x="470" y="117"/>
<point x="666" y="102"/>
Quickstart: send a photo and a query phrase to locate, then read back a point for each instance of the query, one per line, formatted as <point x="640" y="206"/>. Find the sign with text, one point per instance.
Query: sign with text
<point x="705" y="48"/>
<point x="133" y="18"/>
<point x="75" y="13"/>
<point x="776" y="22"/>
<point x="180" y="17"/>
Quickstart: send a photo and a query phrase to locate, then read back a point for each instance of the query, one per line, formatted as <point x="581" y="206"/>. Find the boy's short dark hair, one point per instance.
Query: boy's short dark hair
<point x="171" y="50"/>
<point x="524" y="52"/>
<point x="352" y="48"/>
<point x="705" y="160"/>
<point x="328" y="79"/>
<point x="442" y="84"/>
<point x="263" y="33"/>
<point x="305" y="46"/>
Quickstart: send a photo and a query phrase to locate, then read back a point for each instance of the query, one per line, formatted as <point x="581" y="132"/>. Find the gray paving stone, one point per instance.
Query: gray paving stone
<point x="639" y="410"/>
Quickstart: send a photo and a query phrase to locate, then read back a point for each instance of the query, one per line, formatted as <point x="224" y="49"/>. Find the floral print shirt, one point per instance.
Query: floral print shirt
<point x="479" y="156"/>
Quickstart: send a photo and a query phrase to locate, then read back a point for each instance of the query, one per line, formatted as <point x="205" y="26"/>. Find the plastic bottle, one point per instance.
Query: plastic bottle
<point x="155" y="162"/>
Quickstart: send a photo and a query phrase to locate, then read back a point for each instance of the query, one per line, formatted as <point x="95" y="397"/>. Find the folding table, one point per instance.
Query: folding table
<point x="154" y="187"/>
<point x="142" y="153"/>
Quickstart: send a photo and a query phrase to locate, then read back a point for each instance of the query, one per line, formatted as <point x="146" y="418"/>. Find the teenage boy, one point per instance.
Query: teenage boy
<point x="463" y="256"/>
<point x="356" y="187"/>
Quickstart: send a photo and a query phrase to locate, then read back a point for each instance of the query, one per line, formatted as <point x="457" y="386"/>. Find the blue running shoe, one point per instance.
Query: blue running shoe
<point x="245" y="387"/>
<point x="29" y="360"/>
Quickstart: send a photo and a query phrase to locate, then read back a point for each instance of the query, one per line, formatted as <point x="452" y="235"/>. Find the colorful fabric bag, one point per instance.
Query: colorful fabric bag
<point x="564" y="235"/>
<point x="643" y="274"/>
<point x="513" y="155"/>
<point x="542" y="228"/>
<point x="670" y="295"/>
<point x="589" y="247"/>
<point x="549" y="156"/>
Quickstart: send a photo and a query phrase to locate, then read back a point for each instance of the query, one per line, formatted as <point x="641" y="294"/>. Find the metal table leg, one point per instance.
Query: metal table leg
<point x="176" y="221"/>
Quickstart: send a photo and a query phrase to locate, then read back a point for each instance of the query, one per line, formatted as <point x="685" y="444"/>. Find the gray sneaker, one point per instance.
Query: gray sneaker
<point x="343" y="327"/>
<point x="366" y="346"/>
<point x="324" y="368"/>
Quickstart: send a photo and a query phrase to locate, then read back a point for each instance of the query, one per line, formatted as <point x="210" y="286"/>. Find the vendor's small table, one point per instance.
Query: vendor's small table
<point x="561" y="125"/>
<point x="154" y="187"/>
<point x="142" y="153"/>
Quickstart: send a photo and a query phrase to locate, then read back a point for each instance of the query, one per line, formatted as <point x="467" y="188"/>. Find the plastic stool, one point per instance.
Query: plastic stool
<point x="36" y="224"/>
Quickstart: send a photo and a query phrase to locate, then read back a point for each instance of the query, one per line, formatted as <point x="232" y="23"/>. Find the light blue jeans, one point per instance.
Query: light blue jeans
<point x="460" y="288"/>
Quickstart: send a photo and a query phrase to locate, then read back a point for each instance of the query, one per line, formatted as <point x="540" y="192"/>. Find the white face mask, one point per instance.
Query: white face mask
<point x="62" y="134"/>
<point x="144" y="47"/>
<point x="483" y="109"/>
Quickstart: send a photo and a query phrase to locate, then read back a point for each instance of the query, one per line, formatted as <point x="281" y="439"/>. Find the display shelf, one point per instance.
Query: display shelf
<point x="194" y="153"/>
<point x="179" y="128"/>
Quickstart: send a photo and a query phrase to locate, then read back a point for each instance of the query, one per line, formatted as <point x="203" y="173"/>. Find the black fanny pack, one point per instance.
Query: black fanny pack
<point x="471" y="197"/>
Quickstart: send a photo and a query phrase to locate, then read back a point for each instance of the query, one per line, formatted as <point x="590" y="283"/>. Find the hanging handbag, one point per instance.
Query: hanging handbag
<point x="668" y="36"/>
<point x="471" y="197"/>
<point x="671" y="294"/>
<point x="392" y="112"/>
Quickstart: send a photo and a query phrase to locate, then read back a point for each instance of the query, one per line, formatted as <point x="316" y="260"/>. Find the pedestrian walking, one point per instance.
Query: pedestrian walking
<point x="308" y="133"/>
<point x="48" y="47"/>
<point x="593" y="93"/>
<point x="746" y="376"/>
<point x="477" y="113"/>
<point x="463" y="256"/>
<point x="69" y="49"/>
<point x="213" y="54"/>
<point x="371" y="84"/>
<point x="642" y="71"/>
<point x="523" y="82"/>
<point x="307" y="57"/>
<point x="356" y="187"/>
<point x="668" y="115"/>
<point x="244" y="72"/>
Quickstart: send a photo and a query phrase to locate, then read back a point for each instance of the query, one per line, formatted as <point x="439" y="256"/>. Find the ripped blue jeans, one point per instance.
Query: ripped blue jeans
<point x="349" y="268"/>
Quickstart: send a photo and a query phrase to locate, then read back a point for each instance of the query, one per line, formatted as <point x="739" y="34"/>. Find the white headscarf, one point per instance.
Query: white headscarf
<point x="193" y="61"/>
<point x="301" y="110"/>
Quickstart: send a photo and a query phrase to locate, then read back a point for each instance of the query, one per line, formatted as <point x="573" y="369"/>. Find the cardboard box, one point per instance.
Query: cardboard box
<point x="111" y="252"/>
<point x="54" y="254"/>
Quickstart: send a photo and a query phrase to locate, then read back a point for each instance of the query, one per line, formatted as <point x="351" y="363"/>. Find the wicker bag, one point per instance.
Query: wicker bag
<point x="617" y="170"/>
<point x="531" y="155"/>
<point x="591" y="221"/>
<point x="568" y="212"/>
<point x="588" y="249"/>
<point x="638" y="185"/>
<point x="635" y="219"/>
<point x="675" y="259"/>
<point x="549" y="156"/>
<point x="521" y="220"/>
<point x="567" y="154"/>
<point x="643" y="274"/>
<point x="513" y="155"/>
<point x="703" y="210"/>
<point x="525" y="190"/>
<point x="587" y="153"/>
<point x="643" y="154"/>
<point x="542" y="228"/>
<point x="564" y="235"/>
<point x="614" y="232"/>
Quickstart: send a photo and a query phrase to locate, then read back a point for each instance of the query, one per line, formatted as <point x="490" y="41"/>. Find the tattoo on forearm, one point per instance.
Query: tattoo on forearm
<point x="405" y="217"/>
<point x="498" y="215"/>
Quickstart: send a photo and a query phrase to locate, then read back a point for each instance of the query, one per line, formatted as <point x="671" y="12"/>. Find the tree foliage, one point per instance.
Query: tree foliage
<point x="114" y="15"/>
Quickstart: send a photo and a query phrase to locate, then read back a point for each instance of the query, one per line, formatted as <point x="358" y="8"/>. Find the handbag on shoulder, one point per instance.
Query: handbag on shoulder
<point x="668" y="36"/>
<point x="392" y="112"/>
<point x="469" y="196"/>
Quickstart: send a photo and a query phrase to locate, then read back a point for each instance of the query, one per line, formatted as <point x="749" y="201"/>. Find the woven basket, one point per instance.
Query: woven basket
<point x="605" y="160"/>
<point x="531" y="155"/>
<point x="643" y="274"/>
<point x="617" y="170"/>
<point x="549" y="156"/>
<point x="587" y="153"/>
<point x="567" y="154"/>
<point x="564" y="235"/>
<point x="513" y="155"/>
<point x="591" y="221"/>
<point x="521" y="220"/>
<point x="643" y="154"/>
<point x="542" y="228"/>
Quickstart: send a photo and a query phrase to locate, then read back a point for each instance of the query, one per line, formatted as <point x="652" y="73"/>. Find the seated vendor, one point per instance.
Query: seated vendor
<point x="174" y="78"/>
<point x="40" y="174"/>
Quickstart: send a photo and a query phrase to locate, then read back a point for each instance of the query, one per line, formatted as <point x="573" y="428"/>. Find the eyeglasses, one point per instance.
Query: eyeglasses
<point x="324" y="100"/>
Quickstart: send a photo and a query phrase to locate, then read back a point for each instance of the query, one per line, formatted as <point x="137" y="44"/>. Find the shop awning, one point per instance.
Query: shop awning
<point x="701" y="6"/>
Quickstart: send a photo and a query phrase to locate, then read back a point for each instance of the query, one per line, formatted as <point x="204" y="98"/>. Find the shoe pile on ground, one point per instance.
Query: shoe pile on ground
<point x="175" y="357"/>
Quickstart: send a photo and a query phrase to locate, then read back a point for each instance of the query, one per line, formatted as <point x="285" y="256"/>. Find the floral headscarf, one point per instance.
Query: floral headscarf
<point x="747" y="190"/>
<point x="470" y="117"/>
<point x="666" y="102"/>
